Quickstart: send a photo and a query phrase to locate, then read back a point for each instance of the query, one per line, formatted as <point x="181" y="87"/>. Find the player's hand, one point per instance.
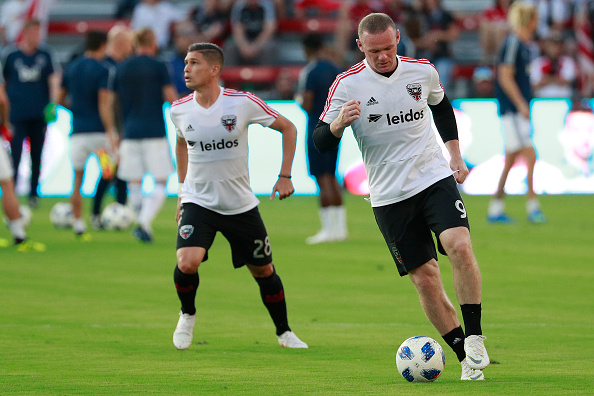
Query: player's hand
<point x="460" y="169"/>
<point x="349" y="112"/>
<point x="284" y="187"/>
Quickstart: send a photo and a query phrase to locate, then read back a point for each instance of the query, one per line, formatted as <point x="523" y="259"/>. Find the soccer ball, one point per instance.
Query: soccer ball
<point x="26" y="215"/>
<point x="116" y="217"/>
<point x="61" y="215"/>
<point x="420" y="359"/>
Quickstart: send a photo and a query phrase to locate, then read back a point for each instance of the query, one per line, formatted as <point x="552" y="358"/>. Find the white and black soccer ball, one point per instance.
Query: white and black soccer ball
<point x="26" y="215"/>
<point x="61" y="215"/>
<point x="420" y="359"/>
<point x="116" y="217"/>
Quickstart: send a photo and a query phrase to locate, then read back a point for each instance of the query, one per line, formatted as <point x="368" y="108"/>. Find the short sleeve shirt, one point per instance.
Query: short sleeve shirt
<point x="139" y="82"/>
<point x="217" y="177"/>
<point x="516" y="54"/>
<point x="394" y="132"/>
<point x="83" y="79"/>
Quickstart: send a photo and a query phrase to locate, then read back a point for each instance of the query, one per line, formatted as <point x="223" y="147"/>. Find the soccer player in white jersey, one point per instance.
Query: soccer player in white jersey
<point x="215" y="193"/>
<point x="388" y="100"/>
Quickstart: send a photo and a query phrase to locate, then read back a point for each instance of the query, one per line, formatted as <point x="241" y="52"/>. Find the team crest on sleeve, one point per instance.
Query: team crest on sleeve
<point x="414" y="90"/>
<point x="229" y="122"/>
<point x="186" y="230"/>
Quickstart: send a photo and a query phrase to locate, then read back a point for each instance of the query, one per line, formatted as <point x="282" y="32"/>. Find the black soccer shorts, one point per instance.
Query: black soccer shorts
<point x="245" y="232"/>
<point x="407" y="225"/>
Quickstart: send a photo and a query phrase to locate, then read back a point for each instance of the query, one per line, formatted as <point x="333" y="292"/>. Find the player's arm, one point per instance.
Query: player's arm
<point x="169" y="93"/>
<point x="327" y="136"/>
<point x="283" y="185"/>
<point x="4" y="107"/>
<point x="105" y="104"/>
<point x="445" y="122"/>
<point x="505" y="78"/>
<point x="181" y="153"/>
<point x="306" y="100"/>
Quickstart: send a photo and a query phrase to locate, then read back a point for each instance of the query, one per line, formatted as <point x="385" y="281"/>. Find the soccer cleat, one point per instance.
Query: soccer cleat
<point x="142" y="235"/>
<point x="537" y="217"/>
<point x="501" y="219"/>
<point x="182" y="336"/>
<point x="476" y="353"/>
<point x="96" y="222"/>
<point x="83" y="236"/>
<point x="321" y="237"/>
<point x="30" y="246"/>
<point x="470" y="374"/>
<point x="4" y="243"/>
<point x="289" y="340"/>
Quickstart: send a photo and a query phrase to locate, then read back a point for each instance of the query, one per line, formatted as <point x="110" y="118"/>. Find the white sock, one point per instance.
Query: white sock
<point x="135" y="200"/>
<point x="339" y="221"/>
<point x="496" y="207"/>
<point x="326" y="219"/>
<point x="532" y="205"/>
<point x="151" y="206"/>
<point x="17" y="229"/>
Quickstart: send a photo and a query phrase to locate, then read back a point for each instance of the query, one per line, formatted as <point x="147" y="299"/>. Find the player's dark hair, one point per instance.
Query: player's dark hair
<point x="374" y="23"/>
<point x="94" y="40"/>
<point x="313" y="41"/>
<point x="212" y="53"/>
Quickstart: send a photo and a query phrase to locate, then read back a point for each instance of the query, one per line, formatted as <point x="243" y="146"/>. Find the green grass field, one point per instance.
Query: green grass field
<point x="97" y="318"/>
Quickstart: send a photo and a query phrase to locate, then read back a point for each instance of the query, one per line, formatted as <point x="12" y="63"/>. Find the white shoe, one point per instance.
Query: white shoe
<point x="321" y="237"/>
<point x="182" y="336"/>
<point x="476" y="353"/>
<point x="289" y="340"/>
<point x="470" y="374"/>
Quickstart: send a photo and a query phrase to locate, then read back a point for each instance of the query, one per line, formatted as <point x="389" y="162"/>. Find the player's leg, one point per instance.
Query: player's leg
<point x="78" y="225"/>
<point x="82" y="146"/>
<point x="102" y="187"/>
<point x="533" y="210"/>
<point x="194" y="237"/>
<point x="16" y="146"/>
<point x="121" y="190"/>
<point x="36" y="140"/>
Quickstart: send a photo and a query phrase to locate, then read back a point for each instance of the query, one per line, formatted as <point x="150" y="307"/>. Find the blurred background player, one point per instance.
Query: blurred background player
<point x="119" y="47"/>
<point x="215" y="193"/>
<point x="85" y="92"/>
<point x="514" y="93"/>
<point x="141" y="85"/>
<point x="10" y="203"/>
<point x="314" y="82"/>
<point x="32" y="80"/>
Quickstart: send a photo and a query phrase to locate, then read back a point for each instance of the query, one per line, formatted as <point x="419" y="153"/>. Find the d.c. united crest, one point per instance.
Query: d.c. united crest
<point x="414" y="90"/>
<point x="229" y="122"/>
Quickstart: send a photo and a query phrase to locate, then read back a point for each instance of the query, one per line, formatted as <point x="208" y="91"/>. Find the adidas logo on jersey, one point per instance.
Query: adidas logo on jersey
<point x="189" y="128"/>
<point x="372" y="101"/>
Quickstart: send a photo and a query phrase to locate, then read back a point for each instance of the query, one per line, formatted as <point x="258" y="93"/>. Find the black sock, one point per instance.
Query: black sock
<point x="99" y="193"/>
<point x="273" y="297"/>
<point x="186" y="285"/>
<point x="471" y="313"/>
<point x="455" y="339"/>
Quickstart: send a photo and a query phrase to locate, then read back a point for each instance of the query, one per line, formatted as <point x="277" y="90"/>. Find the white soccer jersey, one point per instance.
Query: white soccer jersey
<point x="218" y="176"/>
<point x="394" y="133"/>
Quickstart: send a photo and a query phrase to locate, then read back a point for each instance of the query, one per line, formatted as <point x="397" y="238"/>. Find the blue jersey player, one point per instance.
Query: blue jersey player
<point x="85" y="83"/>
<point x="514" y="93"/>
<point x="31" y="76"/>
<point x="142" y="84"/>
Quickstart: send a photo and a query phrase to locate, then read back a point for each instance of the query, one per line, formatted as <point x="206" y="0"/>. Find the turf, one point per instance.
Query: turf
<point x="97" y="318"/>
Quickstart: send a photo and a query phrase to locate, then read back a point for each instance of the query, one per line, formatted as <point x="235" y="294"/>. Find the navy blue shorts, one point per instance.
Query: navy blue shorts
<point x="407" y="226"/>
<point x="245" y="232"/>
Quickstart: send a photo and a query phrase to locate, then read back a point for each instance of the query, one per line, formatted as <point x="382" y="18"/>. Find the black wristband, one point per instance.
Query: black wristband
<point x="285" y="176"/>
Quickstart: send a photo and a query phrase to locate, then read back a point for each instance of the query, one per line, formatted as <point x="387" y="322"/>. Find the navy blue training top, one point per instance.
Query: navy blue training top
<point x="139" y="82"/>
<point x="318" y="79"/>
<point x="26" y="81"/>
<point x="517" y="54"/>
<point x="83" y="79"/>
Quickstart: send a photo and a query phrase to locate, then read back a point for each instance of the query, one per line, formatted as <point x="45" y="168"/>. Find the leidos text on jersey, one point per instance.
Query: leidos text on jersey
<point x="404" y="117"/>
<point x="220" y="145"/>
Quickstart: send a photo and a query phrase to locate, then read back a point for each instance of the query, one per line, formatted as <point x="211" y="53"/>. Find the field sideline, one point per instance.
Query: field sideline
<point x="97" y="318"/>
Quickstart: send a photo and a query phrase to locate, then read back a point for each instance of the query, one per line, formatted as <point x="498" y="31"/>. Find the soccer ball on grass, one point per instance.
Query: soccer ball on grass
<point x="420" y="359"/>
<point x="116" y="217"/>
<point x="61" y="215"/>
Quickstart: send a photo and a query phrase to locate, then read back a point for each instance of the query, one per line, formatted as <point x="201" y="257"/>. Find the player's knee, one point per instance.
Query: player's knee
<point x="427" y="276"/>
<point x="188" y="261"/>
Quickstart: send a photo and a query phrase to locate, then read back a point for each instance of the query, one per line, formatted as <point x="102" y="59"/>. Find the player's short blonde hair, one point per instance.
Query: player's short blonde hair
<point x="521" y="13"/>
<point x="144" y="37"/>
<point x="374" y="23"/>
